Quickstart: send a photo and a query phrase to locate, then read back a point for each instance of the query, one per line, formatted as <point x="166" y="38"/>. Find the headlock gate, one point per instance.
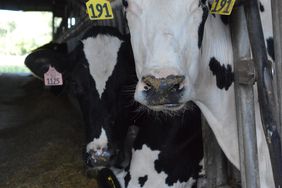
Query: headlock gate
<point x="251" y="65"/>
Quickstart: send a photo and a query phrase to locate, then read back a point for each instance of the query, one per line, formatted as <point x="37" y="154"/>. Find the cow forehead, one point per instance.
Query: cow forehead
<point x="161" y="10"/>
<point x="160" y="4"/>
<point x="164" y="29"/>
<point x="163" y="16"/>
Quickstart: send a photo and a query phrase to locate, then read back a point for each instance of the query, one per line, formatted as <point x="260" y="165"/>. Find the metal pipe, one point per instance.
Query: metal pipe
<point x="277" y="36"/>
<point x="215" y="162"/>
<point x="244" y="97"/>
<point x="265" y="88"/>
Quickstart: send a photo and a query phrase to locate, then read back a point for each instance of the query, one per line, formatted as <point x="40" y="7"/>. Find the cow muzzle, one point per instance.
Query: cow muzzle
<point x="163" y="93"/>
<point x="101" y="158"/>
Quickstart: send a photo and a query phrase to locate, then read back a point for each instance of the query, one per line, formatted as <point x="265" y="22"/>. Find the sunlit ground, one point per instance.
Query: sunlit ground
<point x="20" y="33"/>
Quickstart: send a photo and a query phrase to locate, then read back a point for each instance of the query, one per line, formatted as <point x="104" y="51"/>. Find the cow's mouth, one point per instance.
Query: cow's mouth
<point x="167" y="107"/>
<point x="98" y="159"/>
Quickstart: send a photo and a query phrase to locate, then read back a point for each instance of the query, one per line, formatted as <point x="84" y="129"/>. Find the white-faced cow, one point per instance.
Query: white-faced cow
<point x="97" y="72"/>
<point x="182" y="53"/>
<point x="167" y="151"/>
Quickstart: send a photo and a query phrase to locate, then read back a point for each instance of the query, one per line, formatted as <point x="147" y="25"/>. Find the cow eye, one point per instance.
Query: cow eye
<point x="125" y="3"/>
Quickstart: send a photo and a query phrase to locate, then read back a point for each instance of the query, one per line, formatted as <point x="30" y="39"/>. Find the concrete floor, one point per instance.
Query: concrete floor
<point x="41" y="137"/>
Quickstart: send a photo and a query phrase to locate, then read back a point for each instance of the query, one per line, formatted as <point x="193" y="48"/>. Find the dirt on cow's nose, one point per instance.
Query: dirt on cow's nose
<point x="41" y="137"/>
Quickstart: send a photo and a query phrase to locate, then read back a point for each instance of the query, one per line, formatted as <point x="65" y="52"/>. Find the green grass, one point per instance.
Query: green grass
<point x="14" y="69"/>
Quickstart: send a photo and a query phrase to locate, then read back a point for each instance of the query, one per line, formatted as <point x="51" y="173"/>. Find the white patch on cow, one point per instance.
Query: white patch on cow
<point x="98" y="143"/>
<point x="223" y="120"/>
<point x="266" y="16"/>
<point x="143" y="163"/>
<point x="202" y="164"/>
<point x="101" y="53"/>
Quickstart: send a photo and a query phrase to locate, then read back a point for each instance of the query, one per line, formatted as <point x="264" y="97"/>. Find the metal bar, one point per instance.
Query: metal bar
<point x="81" y="26"/>
<point x="277" y="35"/>
<point x="53" y="26"/>
<point x="215" y="162"/>
<point x="244" y="97"/>
<point x="32" y="5"/>
<point x="265" y="88"/>
<point x="85" y="23"/>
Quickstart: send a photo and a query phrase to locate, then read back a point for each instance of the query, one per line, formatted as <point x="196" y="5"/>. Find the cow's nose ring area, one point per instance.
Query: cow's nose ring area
<point x="170" y="84"/>
<point x="98" y="158"/>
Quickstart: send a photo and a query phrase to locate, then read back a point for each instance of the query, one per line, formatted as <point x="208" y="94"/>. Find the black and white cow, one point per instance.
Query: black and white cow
<point x="183" y="53"/>
<point x="167" y="151"/>
<point x="98" y="72"/>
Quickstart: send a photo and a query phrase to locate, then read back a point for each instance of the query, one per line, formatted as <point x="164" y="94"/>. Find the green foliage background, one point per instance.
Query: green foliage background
<point x="20" y="33"/>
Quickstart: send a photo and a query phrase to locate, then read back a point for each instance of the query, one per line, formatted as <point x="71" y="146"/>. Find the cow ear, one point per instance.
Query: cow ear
<point x="40" y="60"/>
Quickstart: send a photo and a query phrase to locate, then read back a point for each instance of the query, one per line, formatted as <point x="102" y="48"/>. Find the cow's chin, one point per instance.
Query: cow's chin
<point x="166" y="107"/>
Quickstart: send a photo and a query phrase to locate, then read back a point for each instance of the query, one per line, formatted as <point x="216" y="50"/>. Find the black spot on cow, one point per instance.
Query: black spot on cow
<point x="202" y="26"/>
<point x="142" y="180"/>
<point x="261" y="7"/>
<point x="202" y="2"/>
<point x="225" y="19"/>
<point x="107" y="179"/>
<point x="127" y="178"/>
<point x="180" y="155"/>
<point x="270" y="48"/>
<point x="224" y="74"/>
<point x="125" y="3"/>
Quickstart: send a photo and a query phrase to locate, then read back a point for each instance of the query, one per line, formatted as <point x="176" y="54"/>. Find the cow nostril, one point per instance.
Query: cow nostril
<point x="175" y="88"/>
<point x="149" y="82"/>
<point x="147" y="88"/>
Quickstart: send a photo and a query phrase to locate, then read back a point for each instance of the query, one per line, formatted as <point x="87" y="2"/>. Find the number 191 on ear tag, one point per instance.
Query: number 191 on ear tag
<point x="99" y="10"/>
<point x="223" y="7"/>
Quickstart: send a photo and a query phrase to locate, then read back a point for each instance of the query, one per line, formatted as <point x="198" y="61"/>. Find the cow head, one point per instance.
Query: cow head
<point x="167" y="38"/>
<point x="96" y="72"/>
<point x="40" y="60"/>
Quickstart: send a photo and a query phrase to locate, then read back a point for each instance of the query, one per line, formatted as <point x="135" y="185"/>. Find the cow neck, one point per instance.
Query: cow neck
<point x="217" y="104"/>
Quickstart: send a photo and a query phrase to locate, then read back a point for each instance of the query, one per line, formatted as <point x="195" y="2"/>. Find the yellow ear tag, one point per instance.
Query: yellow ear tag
<point x="110" y="179"/>
<point x="99" y="10"/>
<point x="223" y="7"/>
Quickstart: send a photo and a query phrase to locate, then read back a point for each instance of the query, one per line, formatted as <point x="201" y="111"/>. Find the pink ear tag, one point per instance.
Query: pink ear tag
<point x="52" y="77"/>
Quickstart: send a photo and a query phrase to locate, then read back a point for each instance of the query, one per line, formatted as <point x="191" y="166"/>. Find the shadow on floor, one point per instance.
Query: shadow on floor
<point x="41" y="137"/>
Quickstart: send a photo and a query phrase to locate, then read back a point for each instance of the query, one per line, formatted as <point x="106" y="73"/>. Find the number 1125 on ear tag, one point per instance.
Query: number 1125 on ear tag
<point x="99" y="10"/>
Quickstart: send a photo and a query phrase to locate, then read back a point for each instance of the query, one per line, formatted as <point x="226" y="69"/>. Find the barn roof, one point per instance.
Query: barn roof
<point x="56" y="6"/>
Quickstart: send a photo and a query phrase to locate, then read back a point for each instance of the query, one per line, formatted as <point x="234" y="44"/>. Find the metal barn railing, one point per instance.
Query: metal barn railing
<point x="277" y="34"/>
<point x="83" y="23"/>
<point x="247" y="34"/>
<point x="244" y="97"/>
<point x="265" y="88"/>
